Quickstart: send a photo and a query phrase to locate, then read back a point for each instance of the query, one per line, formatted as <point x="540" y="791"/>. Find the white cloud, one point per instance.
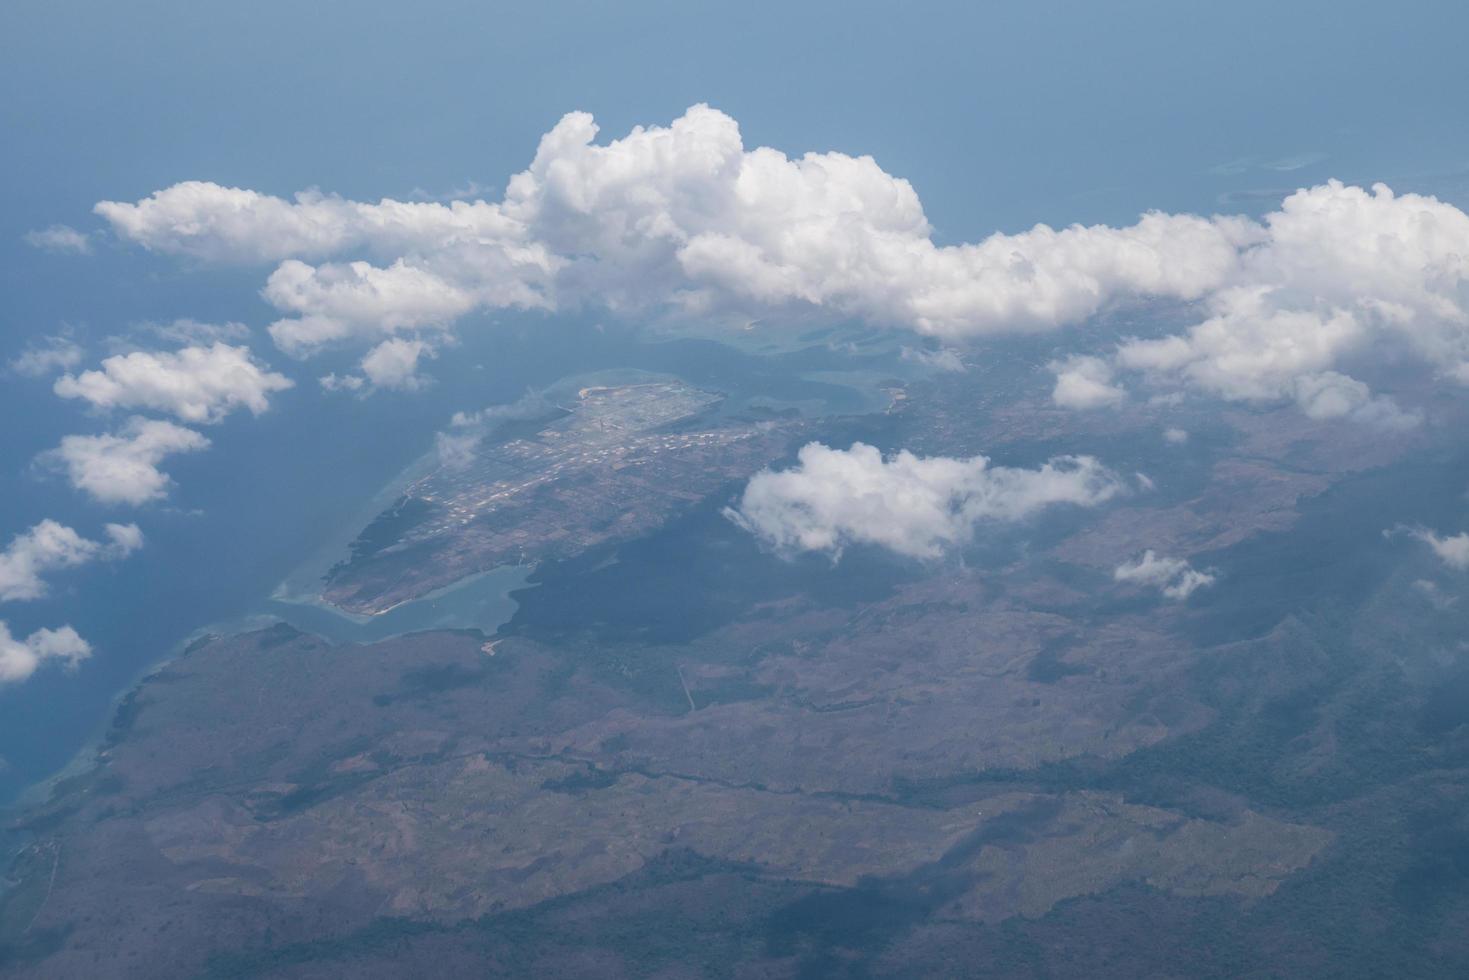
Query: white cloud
<point x="1254" y="352"/>
<point x="914" y="506"/>
<point x="1452" y="550"/>
<point x="195" y="384"/>
<point x="1331" y="395"/>
<point x="681" y="217"/>
<point x="205" y="221"/>
<point x="1339" y="272"/>
<point x="1175" y="577"/>
<point x="50" y="546"/>
<point x="19" y="659"/>
<point x="48" y="355"/>
<point x="394" y="363"/>
<point x="123" y="468"/>
<point x="456" y="447"/>
<point x="1175" y="436"/>
<point x="59" y="238"/>
<point x="942" y="359"/>
<point x="342" y="382"/>
<point x="1085" y="382"/>
<point x="194" y="333"/>
<point x="456" y="450"/>
<point x="684" y="220"/>
<point x="339" y="301"/>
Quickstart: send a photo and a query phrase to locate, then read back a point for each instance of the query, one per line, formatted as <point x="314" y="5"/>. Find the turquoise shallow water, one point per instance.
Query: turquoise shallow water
<point x="478" y="602"/>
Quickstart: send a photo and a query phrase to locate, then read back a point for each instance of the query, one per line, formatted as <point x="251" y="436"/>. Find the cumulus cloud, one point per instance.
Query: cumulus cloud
<point x="1175" y="577"/>
<point x="1085" y="382"/>
<point x="394" y="363"/>
<point x="19" y="659"/>
<point x="50" y="546"/>
<point x="45" y="356"/>
<point x="682" y="217"/>
<point x="685" y="220"/>
<point x="912" y="505"/>
<point x="1338" y="272"/>
<point x="1452" y="550"/>
<point x="59" y="238"/>
<point x="195" y="384"/>
<point x="122" y="468"/>
<point x="339" y="301"/>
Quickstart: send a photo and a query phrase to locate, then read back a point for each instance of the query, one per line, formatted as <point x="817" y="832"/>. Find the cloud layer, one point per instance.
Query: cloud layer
<point x="919" y="507"/>
<point x="682" y="217"/>
<point x="685" y="220"/>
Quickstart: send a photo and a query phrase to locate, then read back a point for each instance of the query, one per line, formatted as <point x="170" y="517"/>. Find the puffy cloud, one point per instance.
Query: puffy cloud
<point x="1452" y="550"/>
<point x="685" y="219"/>
<point x="19" y="659"/>
<point x="59" y="238"/>
<point x="195" y="384"/>
<point x="122" y="468"/>
<point x="1339" y="272"/>
<point x="391" y="364"/>
<point x="686" y="215"/>
<point x="531" y="405"/>
<point x="1175" y="577"/>
<point x="911" y="505"/>
<point x="337" y="301"/>
<point x="50" y="354"/>
<point x="50" y="546"/>
<point x="124" y="540"/>
<point x="1175" y="436"/>
<point x="1085" y="382"/>
<point x="1255" y="352"/>
<point x="456" y="450"/>
<point x="394" y="363"/>
<point x="681" y="217"/>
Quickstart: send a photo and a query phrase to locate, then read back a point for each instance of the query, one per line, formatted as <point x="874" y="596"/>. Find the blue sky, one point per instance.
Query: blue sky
<point x="1002" y="114"/>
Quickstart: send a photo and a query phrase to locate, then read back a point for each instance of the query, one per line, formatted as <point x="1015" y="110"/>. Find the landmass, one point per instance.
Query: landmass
<point x="685" y="757"/>
<point x="613" y="463"/>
